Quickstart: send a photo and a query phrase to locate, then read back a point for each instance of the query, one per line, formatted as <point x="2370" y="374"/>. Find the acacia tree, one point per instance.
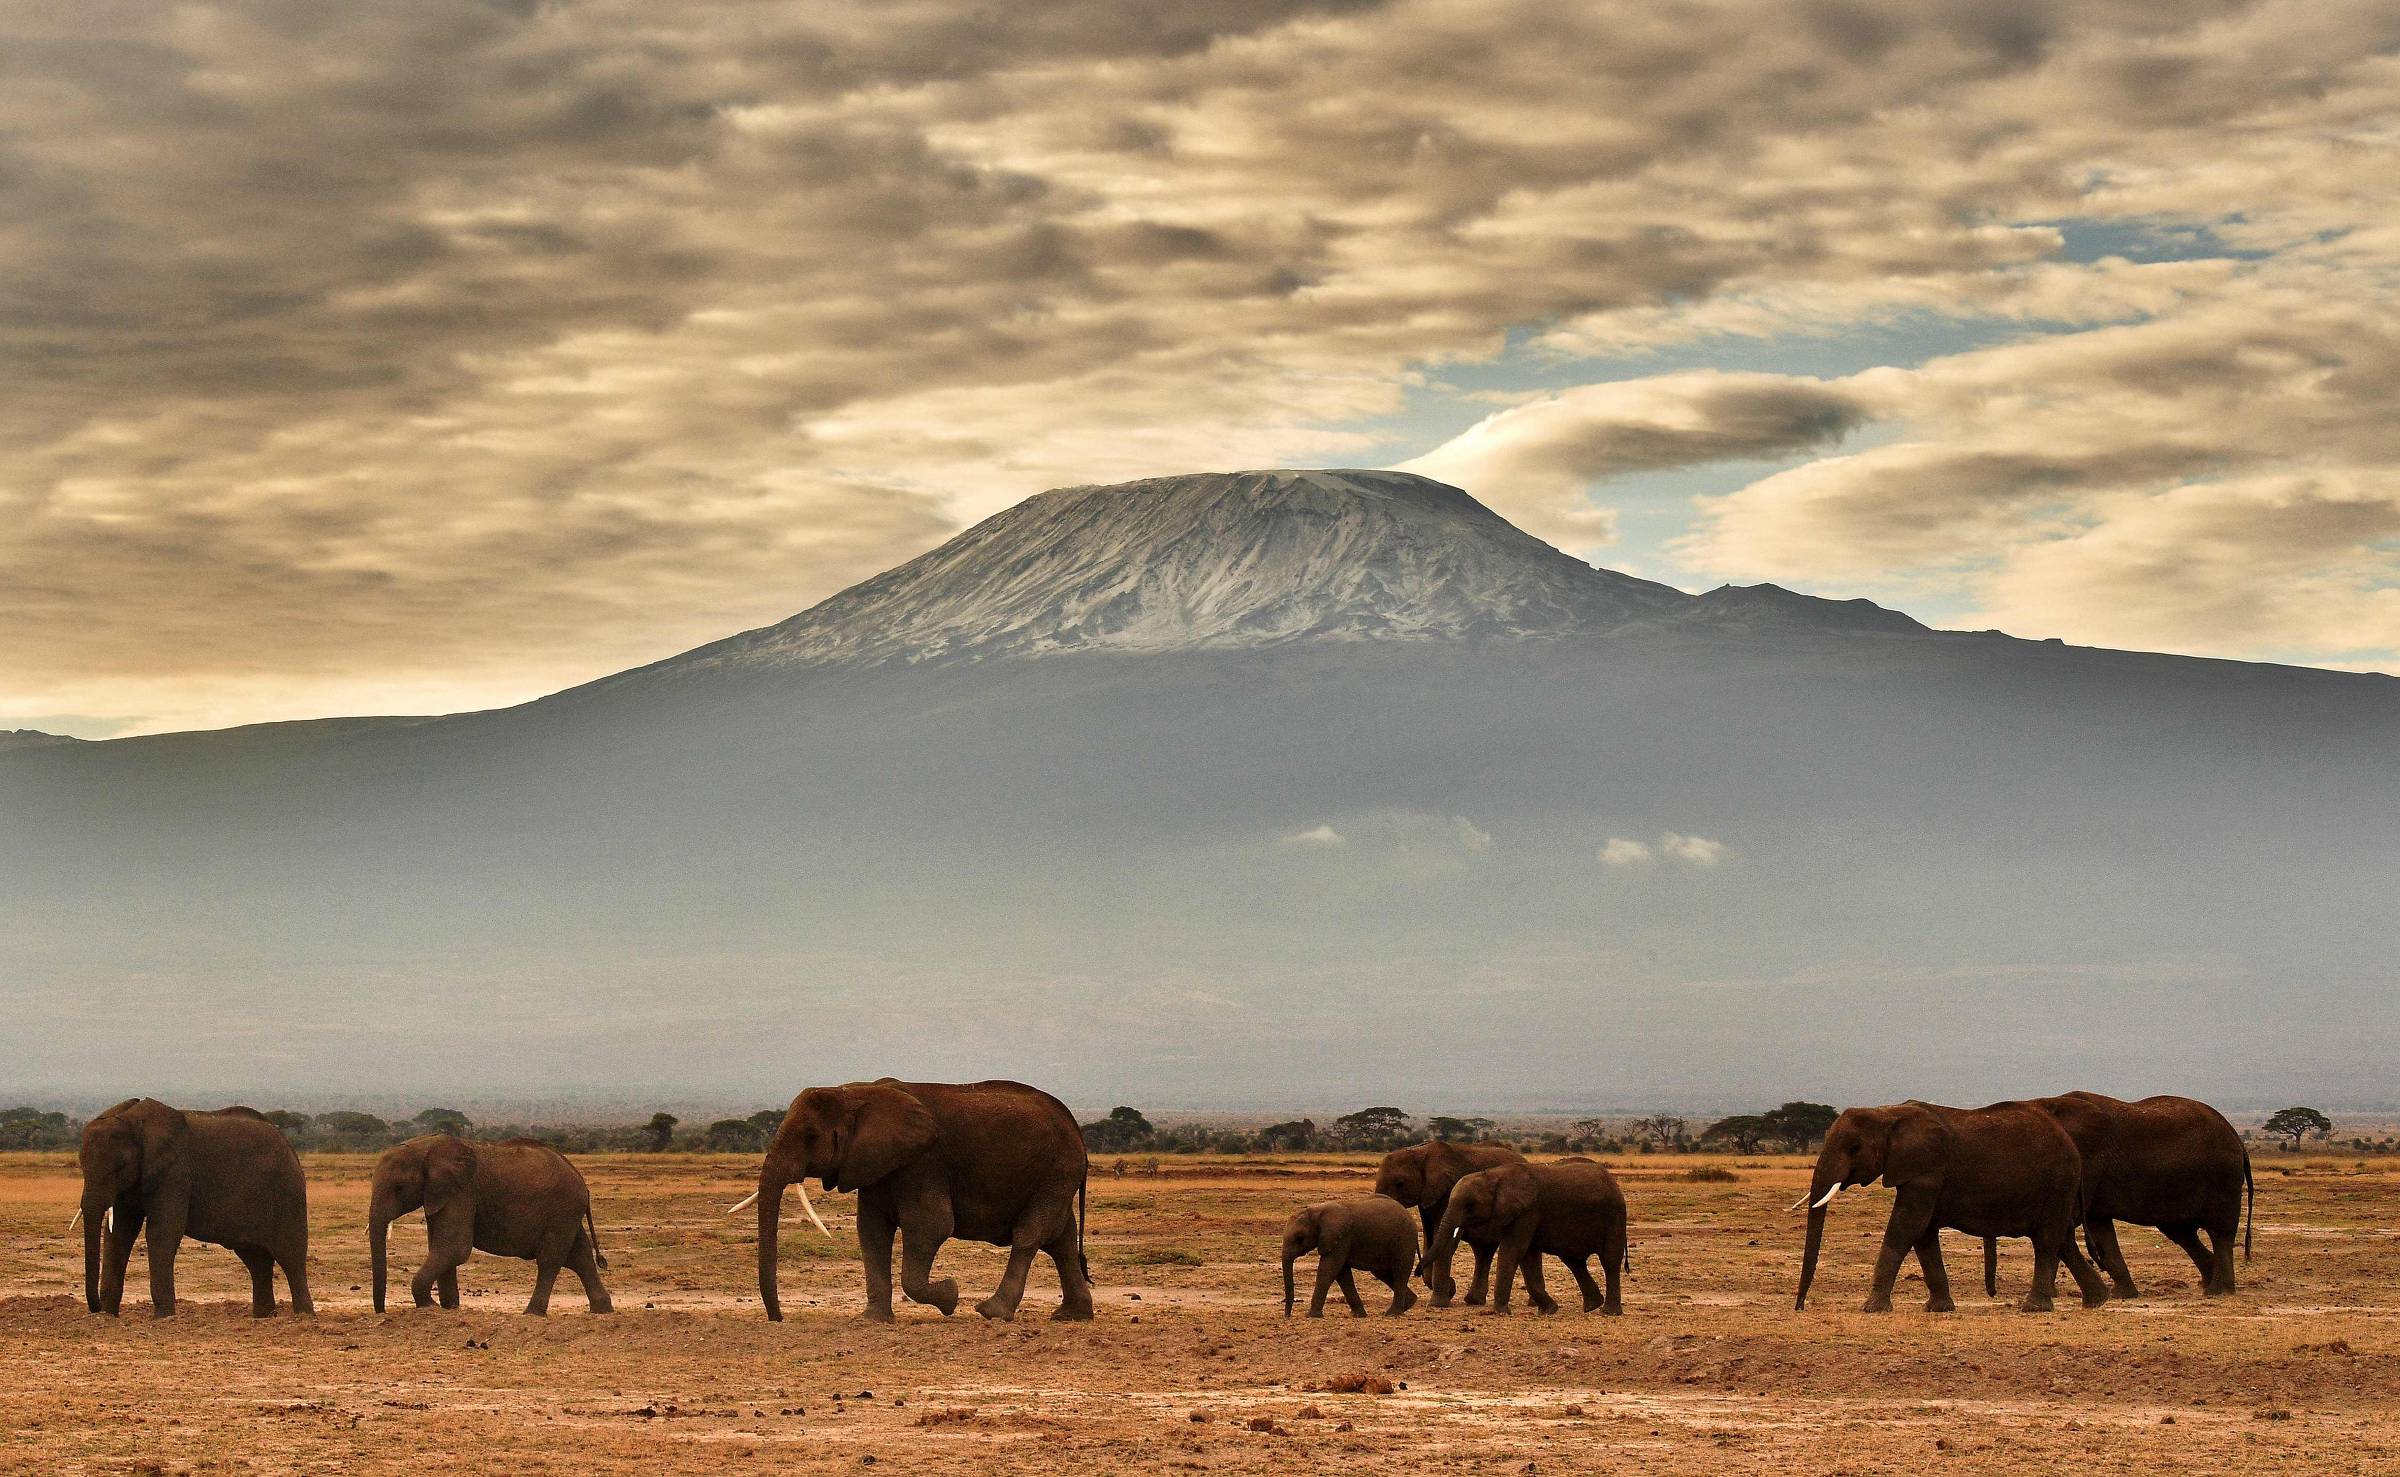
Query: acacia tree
<point x="2297" y="1124"/>
<point x="661" y="1130"/>
<point x="1372" y="1128"/>
<point x="1745" y="1131"/>
<point x="1664" y="1129"/>
<point x="1800" y="1124"/>
<point x="1122" y="1129"/>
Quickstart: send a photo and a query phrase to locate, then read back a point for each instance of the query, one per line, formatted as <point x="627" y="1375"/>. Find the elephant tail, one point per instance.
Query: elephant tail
<point x="2250" y="1215"/>
<point x="1082" y="1189"/>
<point x="591" y="1228"/>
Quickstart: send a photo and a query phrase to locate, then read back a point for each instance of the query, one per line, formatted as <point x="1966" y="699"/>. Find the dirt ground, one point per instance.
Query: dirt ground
<point x="1191" y="1366"/>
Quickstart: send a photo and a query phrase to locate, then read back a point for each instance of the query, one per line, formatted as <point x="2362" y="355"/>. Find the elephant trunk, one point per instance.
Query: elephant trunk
<point x="1827" y="1178"/>
<point x="1290" y="1255"/>
<point x="770" y="1212"/>
<point x="95" y="1209"/>
<point x="379" y="1236"/>
<point x="1991" y="1266"/>
<point x="1445" y="1240"/>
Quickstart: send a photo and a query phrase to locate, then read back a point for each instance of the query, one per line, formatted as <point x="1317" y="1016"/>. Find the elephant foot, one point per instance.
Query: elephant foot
<point x="1474" y="1299"/>
<point x="1403" y="1301"/>
<point x="1545" y="1309"/>
<point x="2125" y="1290"/>
<point x="1940" y="1305"/>
<point x="2096" y="1298"/>
<point x="1496" y="1310"/>
<point x="603" y="1305"/>
<point x="1879" y="1303"/>
<point x="1441" y="1300"/>
<point x="2035" y="1303"/>
<point x="995" y="1310"/>
<point x="1072" y="1313"/>
<point x="873" y="1314"/>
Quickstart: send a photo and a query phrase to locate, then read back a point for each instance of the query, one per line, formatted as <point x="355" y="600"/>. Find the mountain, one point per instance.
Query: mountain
<point x="1245" y="559"/>
<point x="31" y="738"/>
<point x="1265" y="789"/>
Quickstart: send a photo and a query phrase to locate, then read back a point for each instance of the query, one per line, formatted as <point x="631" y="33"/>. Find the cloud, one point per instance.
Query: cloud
<point x="1697" y="850"/>
<point x="1317" y="836"/>
<point x="1534" y="461"/>
<point x="433" y="353"/>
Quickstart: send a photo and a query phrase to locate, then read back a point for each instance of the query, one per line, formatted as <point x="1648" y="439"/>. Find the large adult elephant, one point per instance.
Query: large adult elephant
<point x="1572" y="1210"/>
<point x="227" y="1177"/>
<point x="996" y="1162"/>
<point x="1423" y="1176"/>
<point x="2003" y="1170"/>
<point x="516" y="1198"/>
<point x="2169" y="1162"/>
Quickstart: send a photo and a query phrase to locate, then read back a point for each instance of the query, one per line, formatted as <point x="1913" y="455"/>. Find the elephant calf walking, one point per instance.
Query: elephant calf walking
<point x="1367" y="1233"/>
<point x="517" y="1199"/>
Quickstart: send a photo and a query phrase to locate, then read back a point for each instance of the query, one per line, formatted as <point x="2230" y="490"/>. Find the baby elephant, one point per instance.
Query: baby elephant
<point x="1572" y="1211"/>
<point x="518" y="1198"/>
<point x="1364" y="1233"/>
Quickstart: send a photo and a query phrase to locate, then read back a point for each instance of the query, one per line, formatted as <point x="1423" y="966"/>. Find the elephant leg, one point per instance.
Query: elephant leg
<point x="920" y="1238"/>
<point x="2100" y="1233"/>
<point x="1580" y="1267"/>
<point x="1404" y="1297"/>
<point x="1001" y="1306"/>
<point x="449" y="1238"/>
<point x="2041" y="1298"/>
<point x="2222" y="1239"/>
<point x="545" y="1276"/>
<point x="586" y="1267"/>
<point x="2188" y="1237"/>
<point x="1349" y="1281"/>
<point x="1074" y="1288"/>
<point x="294" y="1262"/>
<point x="262" y="1280"/>
<point x="1444" y="1286"/>
<point x="1316" y="1299"/>
<point x="1612" y="1266"/>
<point x="1991" y="1266"/>
<point x="1536" y="1291"/>
<point x="2088" y="1280"/>
<point x="1481" y="1286"/>
<point x="163" y="1236"/>
<point x="1937" y="1276"/>
<point x="1911" y="1216"/>
<point x="875" y="1251"/>
<point x="116" y="1252"/>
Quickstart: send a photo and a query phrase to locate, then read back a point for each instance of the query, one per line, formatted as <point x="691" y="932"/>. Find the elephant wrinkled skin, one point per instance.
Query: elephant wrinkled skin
<point x="2003" y="1170"/>
<point x="517" y="1198"/>
<point x="227" y="1177"/>
<point x="1365" y="1233"/>
<point x="997" y="1162"/>
<point x="1422" y="1177"/>
<point x="1573" y="1211"/>
<point x="2169" y="1162"/>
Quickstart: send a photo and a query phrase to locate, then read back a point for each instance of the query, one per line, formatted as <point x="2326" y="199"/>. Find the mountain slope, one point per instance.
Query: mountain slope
<point x="1202" y="561"/>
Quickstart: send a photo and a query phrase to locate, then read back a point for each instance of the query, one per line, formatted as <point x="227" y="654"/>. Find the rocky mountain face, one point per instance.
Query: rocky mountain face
<point x="1224" y="561"/>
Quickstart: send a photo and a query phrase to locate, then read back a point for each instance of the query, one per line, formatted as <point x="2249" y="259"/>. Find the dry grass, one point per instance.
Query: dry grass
<point x="1191" y="1366"/>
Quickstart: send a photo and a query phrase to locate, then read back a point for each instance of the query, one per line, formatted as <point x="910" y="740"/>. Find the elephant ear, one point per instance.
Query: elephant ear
<point x="886" y="1128"/>
<point x="1514" y="1191"/>
<point x="449" y="1168"/>
<point x="161" y="1130"/>
<point x="1918" y="1146"/>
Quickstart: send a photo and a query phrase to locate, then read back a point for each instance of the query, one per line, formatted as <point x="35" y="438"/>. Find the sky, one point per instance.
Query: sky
<point x="423" y="355"/>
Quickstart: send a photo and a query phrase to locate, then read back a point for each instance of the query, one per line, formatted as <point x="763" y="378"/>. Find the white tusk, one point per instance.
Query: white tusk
<point x="1828" y="1195"/>
<point x="108" y="1220"/>
<point x="71" y="1225"/>
<point x="1799" y="1204"/>
<point x="747" y="1201"/>
<point x="812" y="1210"/>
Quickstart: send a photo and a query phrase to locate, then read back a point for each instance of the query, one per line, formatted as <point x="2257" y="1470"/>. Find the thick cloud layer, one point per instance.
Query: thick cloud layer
<point x="426" y="353"/>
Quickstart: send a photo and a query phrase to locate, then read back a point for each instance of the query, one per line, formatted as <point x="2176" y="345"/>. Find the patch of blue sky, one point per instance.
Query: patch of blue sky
<point x="2148" y="239"/>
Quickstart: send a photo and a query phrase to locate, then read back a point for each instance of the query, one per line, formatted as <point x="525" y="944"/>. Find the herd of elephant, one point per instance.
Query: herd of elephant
<point x="1004" y="1164"/>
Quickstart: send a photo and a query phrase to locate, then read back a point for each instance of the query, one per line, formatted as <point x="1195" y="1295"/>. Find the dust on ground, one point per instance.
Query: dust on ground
<point x="1191" y="1365"/>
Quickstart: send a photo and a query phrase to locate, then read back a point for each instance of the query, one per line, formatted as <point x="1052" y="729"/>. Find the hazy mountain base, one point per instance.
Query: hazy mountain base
<point x="1955" y="866"/>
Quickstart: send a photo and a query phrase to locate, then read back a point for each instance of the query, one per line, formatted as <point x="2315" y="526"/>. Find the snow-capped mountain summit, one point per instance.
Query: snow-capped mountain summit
<point x="1232" y="559"/>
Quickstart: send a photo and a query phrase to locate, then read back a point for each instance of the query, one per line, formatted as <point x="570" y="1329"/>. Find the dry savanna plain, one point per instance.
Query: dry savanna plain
<point x="1191" y="1365"/>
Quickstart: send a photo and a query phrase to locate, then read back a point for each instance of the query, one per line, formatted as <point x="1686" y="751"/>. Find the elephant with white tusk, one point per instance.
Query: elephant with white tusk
<point x="227" y="1177"/>
<point x="1421" y="1176"/>
<point x="997" y="1162"/>
<point x="516" y="1199"/>
<point x="2003" y="1170"/>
